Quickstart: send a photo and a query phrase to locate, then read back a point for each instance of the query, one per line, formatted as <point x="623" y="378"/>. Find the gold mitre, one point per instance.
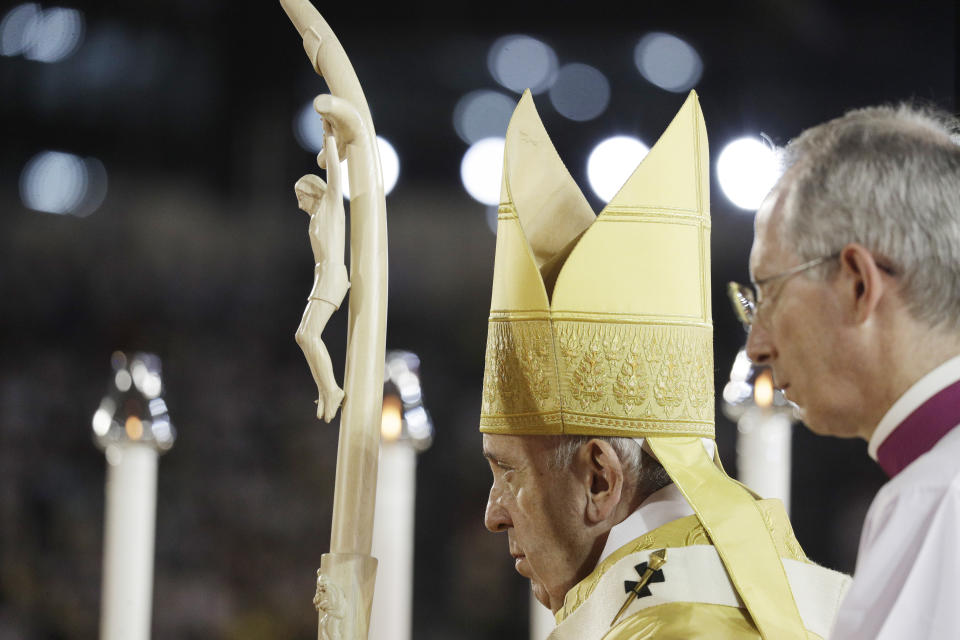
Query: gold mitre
<point x="601" y="325"/>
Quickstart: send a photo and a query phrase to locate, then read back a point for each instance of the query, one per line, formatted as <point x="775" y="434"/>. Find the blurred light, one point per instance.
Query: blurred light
<point x="53" y="34"/>
<point x="122" y="380"/>
<point x="741" y="367"/>
<point x="418" y="423"/>
<point x="57" y="182"/>
<point x="401" y="362"/>
<point x="389" y="164"/>
<point x="163" y="433"/>
<point x="493" y="219"/>
<point x="409" y="386"/>
<point x="134" y="428"/>
<point x="150" y="386"/>
<point x="482" y="168"/>
<point x="308" y="130"/>
<point x="389" y="167"/>
<point x="580" y="93"/>
<point x="138" y="372"/>
<point x="118" y="360"/>
<point x="157" y="407"/>
<point x="101" y="421"/>
<point x="520" y="62"/>
<point x="145" y="370"/>
<point x="391" y="422"/>
<point x="747" y="169"/>
<point x="482" y="114"/>
<point x="612" y="162"/>
<point x="14" y="27"/>
<point x="763" y="389"/>
<point x="668" y="62"/>
<point x="751" y="386"/>
<point x="736" y="392"/>
<point x="54" y="182"/>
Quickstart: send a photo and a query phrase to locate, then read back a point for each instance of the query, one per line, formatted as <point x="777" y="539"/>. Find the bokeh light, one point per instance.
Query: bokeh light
<point x="520" y="62"/>
<point x="482" y="114"/>
<point x="389" y="167"/>
<point x="482" y="168"/>
<point x="56" y="33"/>
<point x="668" y="62"/>
<point x="63" y="183"/>
<point x="48" y="35"/>
<point x="14" y="28"/>
<point x="747" y="169"/>
<point x="308" y="130"/>
<point x="581" y="92"/>
<point x="613" y="161"/>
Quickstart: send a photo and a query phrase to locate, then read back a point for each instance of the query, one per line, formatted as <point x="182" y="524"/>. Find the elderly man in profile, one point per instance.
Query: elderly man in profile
<point x="597" y="412"/>
<point x="856" y="265"/>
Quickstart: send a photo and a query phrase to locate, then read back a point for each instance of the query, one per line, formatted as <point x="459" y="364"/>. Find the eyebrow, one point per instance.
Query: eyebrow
<point x="494" y="458"/>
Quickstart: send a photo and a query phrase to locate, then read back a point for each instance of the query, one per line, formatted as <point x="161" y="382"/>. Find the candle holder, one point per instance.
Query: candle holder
<point x="133" y="410"/>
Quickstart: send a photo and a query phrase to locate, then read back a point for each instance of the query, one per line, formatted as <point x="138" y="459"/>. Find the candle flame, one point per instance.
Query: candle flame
<point x="763" y="389"/>
<point x="134" y="428"/>
<point x="391" y="422"/>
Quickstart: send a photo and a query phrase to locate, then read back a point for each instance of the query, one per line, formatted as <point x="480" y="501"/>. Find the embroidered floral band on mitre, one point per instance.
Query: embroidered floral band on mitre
<point x="597" y="378"/>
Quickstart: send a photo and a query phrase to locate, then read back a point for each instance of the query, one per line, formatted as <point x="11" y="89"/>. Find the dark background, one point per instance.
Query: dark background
<point x="199" y="254"/>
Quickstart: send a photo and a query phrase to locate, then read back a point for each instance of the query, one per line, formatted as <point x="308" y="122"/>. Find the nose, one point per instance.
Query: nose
<point x="496" y="517"/>
<point x="760" y="348"/>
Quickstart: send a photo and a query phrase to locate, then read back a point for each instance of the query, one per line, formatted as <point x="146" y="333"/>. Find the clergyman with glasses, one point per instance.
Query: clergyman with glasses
<point x="856" y="309"/>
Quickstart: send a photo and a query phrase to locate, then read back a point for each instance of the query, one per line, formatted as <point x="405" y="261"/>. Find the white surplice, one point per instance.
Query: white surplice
<point x="907" y="580"/>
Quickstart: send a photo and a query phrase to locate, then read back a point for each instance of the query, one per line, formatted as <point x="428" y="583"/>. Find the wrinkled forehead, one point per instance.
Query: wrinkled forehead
<point x="516" y="450"/>
<point x="768" y="250"/>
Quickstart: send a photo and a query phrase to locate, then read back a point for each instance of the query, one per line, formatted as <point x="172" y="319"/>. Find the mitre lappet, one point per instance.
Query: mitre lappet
<point x="601" y="325"/>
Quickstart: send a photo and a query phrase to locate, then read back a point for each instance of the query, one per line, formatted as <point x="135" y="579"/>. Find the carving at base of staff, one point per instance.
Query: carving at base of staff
<point x="329" y="603"/>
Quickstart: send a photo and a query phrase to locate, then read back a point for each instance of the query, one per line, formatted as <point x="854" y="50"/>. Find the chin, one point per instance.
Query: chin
<point x="836" y="426"/>
<point x="540" y="593"/>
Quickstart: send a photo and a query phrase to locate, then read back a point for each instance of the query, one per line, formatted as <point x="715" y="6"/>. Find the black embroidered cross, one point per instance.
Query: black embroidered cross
<point x="648" y="573"/>
<point x="630" y="585"/>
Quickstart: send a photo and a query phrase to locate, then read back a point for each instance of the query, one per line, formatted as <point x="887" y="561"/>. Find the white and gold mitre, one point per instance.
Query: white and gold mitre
<point x="601" y="325"/>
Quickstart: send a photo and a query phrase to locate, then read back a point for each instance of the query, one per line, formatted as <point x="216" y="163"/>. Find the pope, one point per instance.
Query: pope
<point x="598" y="410"/>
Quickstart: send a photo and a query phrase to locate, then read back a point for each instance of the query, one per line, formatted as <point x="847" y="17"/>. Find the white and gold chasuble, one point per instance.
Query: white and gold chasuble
<point x="602" y="325"/>
<point x="691" y="596"/>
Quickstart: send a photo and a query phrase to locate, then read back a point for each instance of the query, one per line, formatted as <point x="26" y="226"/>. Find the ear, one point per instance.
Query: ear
<point x="603" y="478"/>
<point x="861" y="282"/>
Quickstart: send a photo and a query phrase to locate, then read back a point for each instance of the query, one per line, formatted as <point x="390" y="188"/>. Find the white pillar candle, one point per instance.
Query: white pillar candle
<point x="391" y="616"/>
<point x="763" y="453"/>
<point x="131" y="497"/>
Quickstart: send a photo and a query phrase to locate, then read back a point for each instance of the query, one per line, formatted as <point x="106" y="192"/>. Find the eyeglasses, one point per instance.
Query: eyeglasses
<point x="744" y="300"/>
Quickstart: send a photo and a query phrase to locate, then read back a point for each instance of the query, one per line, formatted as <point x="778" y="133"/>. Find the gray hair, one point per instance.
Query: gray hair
<point x="887" y="178"/>
<point x="638" y="465"/>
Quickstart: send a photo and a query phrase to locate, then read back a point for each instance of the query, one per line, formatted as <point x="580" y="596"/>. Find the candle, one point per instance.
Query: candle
<point x="133" y="428"/>
<point x="128" y="541"/>
<point x="405" y="430"/>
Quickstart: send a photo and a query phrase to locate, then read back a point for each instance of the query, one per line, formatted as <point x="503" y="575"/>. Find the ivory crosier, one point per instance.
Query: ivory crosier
<point x="347" y="573"/>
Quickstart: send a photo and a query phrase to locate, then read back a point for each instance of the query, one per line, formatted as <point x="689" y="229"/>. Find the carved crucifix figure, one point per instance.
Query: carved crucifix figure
<point x="323" y="201"/>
